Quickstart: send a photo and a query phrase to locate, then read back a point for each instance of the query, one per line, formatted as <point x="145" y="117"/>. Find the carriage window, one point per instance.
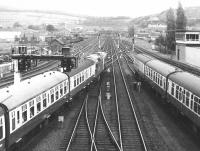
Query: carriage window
<point x="195" y="104"/>
<point x="65" y="87"/>
<point x="52" y="95"/>
<point x="86" y="73"/>
<point x="13" y="120"/>
<point x="83" y="77"/>
<point x="80" y="78"/>
<point x="74" y="81"/>
<point x="90" y="71"/>
<point x="77" y="80"/>
<point x="31" y="105"/>
<point x="164" y="83"/>
<point x="52" y="98"/>
<point x="199" y="109"/>
<point x="184" y="96"/>
<point x="1" y="128"/>
<point x="154" y="76"/>
<point x="38" y="101"/>
<point x="18" y="117"/>
<point x="24" y="113"/>
<point x="177" y="88"/>
<point x="44" y="97"/>
<point x="61" y="89"/>
<point x="180" y="94"/>
<point x="172" y="90"/>
<point x="191" y="102"/>
<point x="56" y="95"/>
<point x="161" y="81"/>
<point x="187" y="98"/>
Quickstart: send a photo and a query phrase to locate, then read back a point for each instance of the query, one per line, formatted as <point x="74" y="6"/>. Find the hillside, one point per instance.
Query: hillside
<point x="192" y="14"/>
<point x="34" y="17"/>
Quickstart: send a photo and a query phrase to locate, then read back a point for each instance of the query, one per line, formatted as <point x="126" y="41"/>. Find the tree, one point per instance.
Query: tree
<point x="50" y="28"/>
<point x="16" y="25"/>
<point x="181" y="19"/>
<point x="170" y="34"/>
<point x="131" y="31"/>
<point x="34" y="27"/>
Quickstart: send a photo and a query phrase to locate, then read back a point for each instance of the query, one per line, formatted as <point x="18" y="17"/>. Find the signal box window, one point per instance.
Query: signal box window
<point x="24" y="113"/>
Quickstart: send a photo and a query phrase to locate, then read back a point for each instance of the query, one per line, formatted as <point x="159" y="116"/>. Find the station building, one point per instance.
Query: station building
<point x="188" y="47"/>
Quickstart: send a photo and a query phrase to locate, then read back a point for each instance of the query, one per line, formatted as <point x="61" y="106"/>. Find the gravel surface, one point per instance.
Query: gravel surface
<point x="51" y="137"/>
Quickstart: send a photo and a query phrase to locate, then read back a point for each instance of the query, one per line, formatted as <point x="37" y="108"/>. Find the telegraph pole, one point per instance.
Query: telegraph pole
<point x="118" y="40"/>
<point x="99" y="41"/>
<point x="133" y="42"/>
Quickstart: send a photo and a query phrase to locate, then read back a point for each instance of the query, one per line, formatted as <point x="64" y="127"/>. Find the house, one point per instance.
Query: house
<point x="56" y="46"/>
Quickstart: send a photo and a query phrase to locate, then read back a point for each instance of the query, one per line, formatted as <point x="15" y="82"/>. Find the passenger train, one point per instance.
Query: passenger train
<point x="177" y="87"/>
<point x="25" y="105"/>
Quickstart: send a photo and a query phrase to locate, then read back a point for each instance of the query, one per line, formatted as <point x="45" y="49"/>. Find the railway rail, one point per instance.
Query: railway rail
<point x="127" y="128"/>
<point x="132" y="137"/>
<point x="91" y="131"/>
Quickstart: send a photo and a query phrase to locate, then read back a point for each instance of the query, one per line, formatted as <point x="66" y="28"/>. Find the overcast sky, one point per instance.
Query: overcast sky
<point x="131" y="8"/>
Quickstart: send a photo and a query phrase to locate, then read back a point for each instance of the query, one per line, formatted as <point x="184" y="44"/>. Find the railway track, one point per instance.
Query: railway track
<point x="91" y="131"/>
<point x="129" y="127"/>
<point x="124" y="122"/>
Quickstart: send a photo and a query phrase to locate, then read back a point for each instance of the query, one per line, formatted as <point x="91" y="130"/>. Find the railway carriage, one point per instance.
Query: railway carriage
<point x="32" y="101"/>
<point x="178" y="87"/>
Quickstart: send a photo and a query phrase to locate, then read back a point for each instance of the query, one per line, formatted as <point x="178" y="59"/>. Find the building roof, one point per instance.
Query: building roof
<point x="59" y="41"/>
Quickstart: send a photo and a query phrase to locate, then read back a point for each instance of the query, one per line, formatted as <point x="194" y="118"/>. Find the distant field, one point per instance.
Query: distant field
<point x="5" y="47"/>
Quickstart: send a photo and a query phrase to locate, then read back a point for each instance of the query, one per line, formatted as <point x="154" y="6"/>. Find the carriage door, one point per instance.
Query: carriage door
<point x="18" y="113"/>
<point x="2" y="131"/>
